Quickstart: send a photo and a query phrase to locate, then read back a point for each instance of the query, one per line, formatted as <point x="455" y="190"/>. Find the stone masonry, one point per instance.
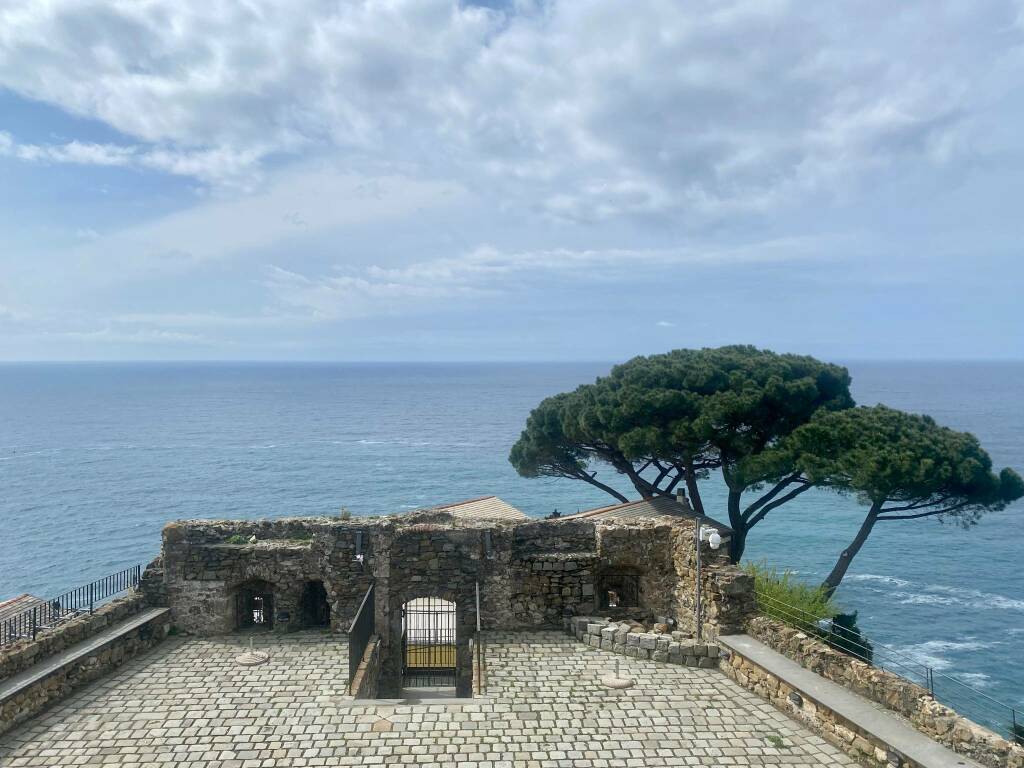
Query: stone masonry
<point x="528" y="574"/>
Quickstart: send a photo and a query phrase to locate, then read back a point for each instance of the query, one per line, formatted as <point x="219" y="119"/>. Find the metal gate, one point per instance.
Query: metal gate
<point x="254" y="608"/>
<point x="428" y="643"/>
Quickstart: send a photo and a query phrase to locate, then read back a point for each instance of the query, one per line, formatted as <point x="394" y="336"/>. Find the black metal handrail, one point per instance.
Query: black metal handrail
<point x="957" y="695"/>
<point x="47" y="614"/>
<point x="359" y="633"/>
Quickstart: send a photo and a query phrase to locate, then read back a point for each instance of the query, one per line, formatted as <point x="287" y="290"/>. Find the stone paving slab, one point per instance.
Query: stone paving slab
<point x="188" y="704"/>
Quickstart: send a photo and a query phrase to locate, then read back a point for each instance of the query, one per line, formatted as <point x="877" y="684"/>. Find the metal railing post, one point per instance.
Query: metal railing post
<point x="35" y="621"/>
<point x="90" y="596"/>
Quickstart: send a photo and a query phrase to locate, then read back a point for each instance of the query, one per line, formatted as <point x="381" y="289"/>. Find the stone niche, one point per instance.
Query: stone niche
<point x="217" y="576"/>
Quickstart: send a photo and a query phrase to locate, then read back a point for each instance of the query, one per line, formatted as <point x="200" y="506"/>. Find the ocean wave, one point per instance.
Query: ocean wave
<point x="876" y="578"/>
<point x="933" y="653"/>
<point x="938" y="594"/>
<point x="976" y="679"/>
<point x="978" y="599"/>
<point x="918" y="598"/>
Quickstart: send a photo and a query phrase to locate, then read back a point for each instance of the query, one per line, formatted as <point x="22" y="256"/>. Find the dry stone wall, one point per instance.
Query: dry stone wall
<point x="902" y="696"/>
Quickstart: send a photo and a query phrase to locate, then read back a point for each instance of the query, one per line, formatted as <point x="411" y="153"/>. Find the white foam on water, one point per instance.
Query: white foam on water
<point x="931" y="653"/>
<point x="916" y="598"/>
<point x="872" y="577"/>
<point x="978" y="599"/>
<point x="976" y="679"/>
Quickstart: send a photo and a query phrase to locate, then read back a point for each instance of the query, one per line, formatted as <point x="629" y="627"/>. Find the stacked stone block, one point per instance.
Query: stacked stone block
<point x="632" y="639"/>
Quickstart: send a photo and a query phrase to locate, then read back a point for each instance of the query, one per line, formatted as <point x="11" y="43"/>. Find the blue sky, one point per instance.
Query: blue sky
<point x="437" y="180"/>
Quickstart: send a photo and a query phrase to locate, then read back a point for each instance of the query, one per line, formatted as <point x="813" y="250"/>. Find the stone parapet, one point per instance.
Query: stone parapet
<point x="22" y="655"/>
<point x="49" y="680"/>
<point x="896" y="693"/>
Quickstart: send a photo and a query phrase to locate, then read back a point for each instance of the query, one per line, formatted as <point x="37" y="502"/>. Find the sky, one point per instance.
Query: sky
<point x="440" y="180"/>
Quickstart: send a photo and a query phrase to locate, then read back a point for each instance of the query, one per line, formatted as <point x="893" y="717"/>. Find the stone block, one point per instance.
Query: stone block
<point x="648" y="642"/>
<point x="690" y="661"/>
<point x="633" y="640"/>
<point x="706" y="662"/>
<point x="659" y="655"/>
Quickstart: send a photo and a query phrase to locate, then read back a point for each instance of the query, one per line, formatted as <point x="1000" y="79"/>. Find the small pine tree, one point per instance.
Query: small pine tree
<point x="847" y="637"/>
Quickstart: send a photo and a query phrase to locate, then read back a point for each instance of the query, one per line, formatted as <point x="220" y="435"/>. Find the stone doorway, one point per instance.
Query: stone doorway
<point x="254" y="606"/>
<point x="316" y="610"/>
<point x="429" y="652"/>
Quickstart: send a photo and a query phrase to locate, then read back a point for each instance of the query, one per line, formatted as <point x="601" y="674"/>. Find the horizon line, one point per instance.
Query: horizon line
<point x="464" y="361"/>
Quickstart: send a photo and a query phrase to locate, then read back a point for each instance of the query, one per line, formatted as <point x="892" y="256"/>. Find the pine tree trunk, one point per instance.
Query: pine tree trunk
<point x="738" y="541"/>
<point x="835" y="578"/>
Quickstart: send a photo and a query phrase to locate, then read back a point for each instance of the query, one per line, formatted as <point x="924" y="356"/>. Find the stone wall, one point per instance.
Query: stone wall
<point x="203" y="569"/>
<point x="428" y="560"/>
<point x="547" y="586"/>
<point x="862" y="746"/>
<point x="25" y="653"/>
<point x="365" y="682"/>
<point x="530" y="574"/>
<point x="69" y="676"/>
<point x="727" y="594"/>
<point x="905" y="698"/>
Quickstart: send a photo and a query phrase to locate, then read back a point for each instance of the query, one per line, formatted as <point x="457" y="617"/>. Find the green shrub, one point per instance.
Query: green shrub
<point x="808" y="608"/>
<point x="786" y="598"/>
<point x="236" y="539"/>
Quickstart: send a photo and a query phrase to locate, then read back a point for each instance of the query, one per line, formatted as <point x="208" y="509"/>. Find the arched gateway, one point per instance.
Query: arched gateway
<point x="429" y="651"/>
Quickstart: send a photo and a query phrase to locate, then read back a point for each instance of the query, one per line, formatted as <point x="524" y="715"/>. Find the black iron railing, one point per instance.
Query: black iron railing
<point x="359" y="633"/>
<point x="47" y="614"/>
<point x="965" y="699"/>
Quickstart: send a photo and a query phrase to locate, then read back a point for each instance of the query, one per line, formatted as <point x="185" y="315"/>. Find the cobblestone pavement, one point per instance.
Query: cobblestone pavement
<point x="188" y="704"/>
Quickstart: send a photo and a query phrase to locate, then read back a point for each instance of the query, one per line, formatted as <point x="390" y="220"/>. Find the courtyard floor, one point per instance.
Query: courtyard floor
<point x="187" y="703"/>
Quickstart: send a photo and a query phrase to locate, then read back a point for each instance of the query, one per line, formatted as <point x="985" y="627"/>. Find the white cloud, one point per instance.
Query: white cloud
<point x="587" y="111"/>
<point x="215" y="165"/>
<point x="487" y="273"/>
<point x="665" y="324"/>
<point x="303" y="202"/>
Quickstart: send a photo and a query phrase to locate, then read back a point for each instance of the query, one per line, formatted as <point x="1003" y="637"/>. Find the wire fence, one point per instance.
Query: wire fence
<point x="47" y="614"/>
<point x="965" y="699"/>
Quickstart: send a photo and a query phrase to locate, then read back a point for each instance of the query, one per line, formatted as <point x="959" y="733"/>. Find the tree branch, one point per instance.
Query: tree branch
<point x="929" y="513"/>
<point x="750" y="510"/>
<point x="777" y="503"/>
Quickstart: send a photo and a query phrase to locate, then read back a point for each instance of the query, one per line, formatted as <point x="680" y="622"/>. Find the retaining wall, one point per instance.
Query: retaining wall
<point x="66" y="677"/>
<point x="19" y="656"/>
<point x="903" y="697"/>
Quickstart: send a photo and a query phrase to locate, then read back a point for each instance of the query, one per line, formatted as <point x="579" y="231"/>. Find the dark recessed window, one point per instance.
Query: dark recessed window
<point x="620" y="590"/>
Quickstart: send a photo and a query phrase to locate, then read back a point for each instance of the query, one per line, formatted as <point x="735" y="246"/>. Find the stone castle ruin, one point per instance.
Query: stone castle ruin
<point x="246" y="626"/>
<point x="449" y="570"/>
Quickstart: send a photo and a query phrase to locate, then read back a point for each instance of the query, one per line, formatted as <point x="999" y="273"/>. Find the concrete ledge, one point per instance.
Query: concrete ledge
<point x="28" y="692"/>
<point x="890" y="736"/>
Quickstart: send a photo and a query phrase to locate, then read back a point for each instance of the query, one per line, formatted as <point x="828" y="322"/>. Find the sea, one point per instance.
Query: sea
<point x="96" y="457"/>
